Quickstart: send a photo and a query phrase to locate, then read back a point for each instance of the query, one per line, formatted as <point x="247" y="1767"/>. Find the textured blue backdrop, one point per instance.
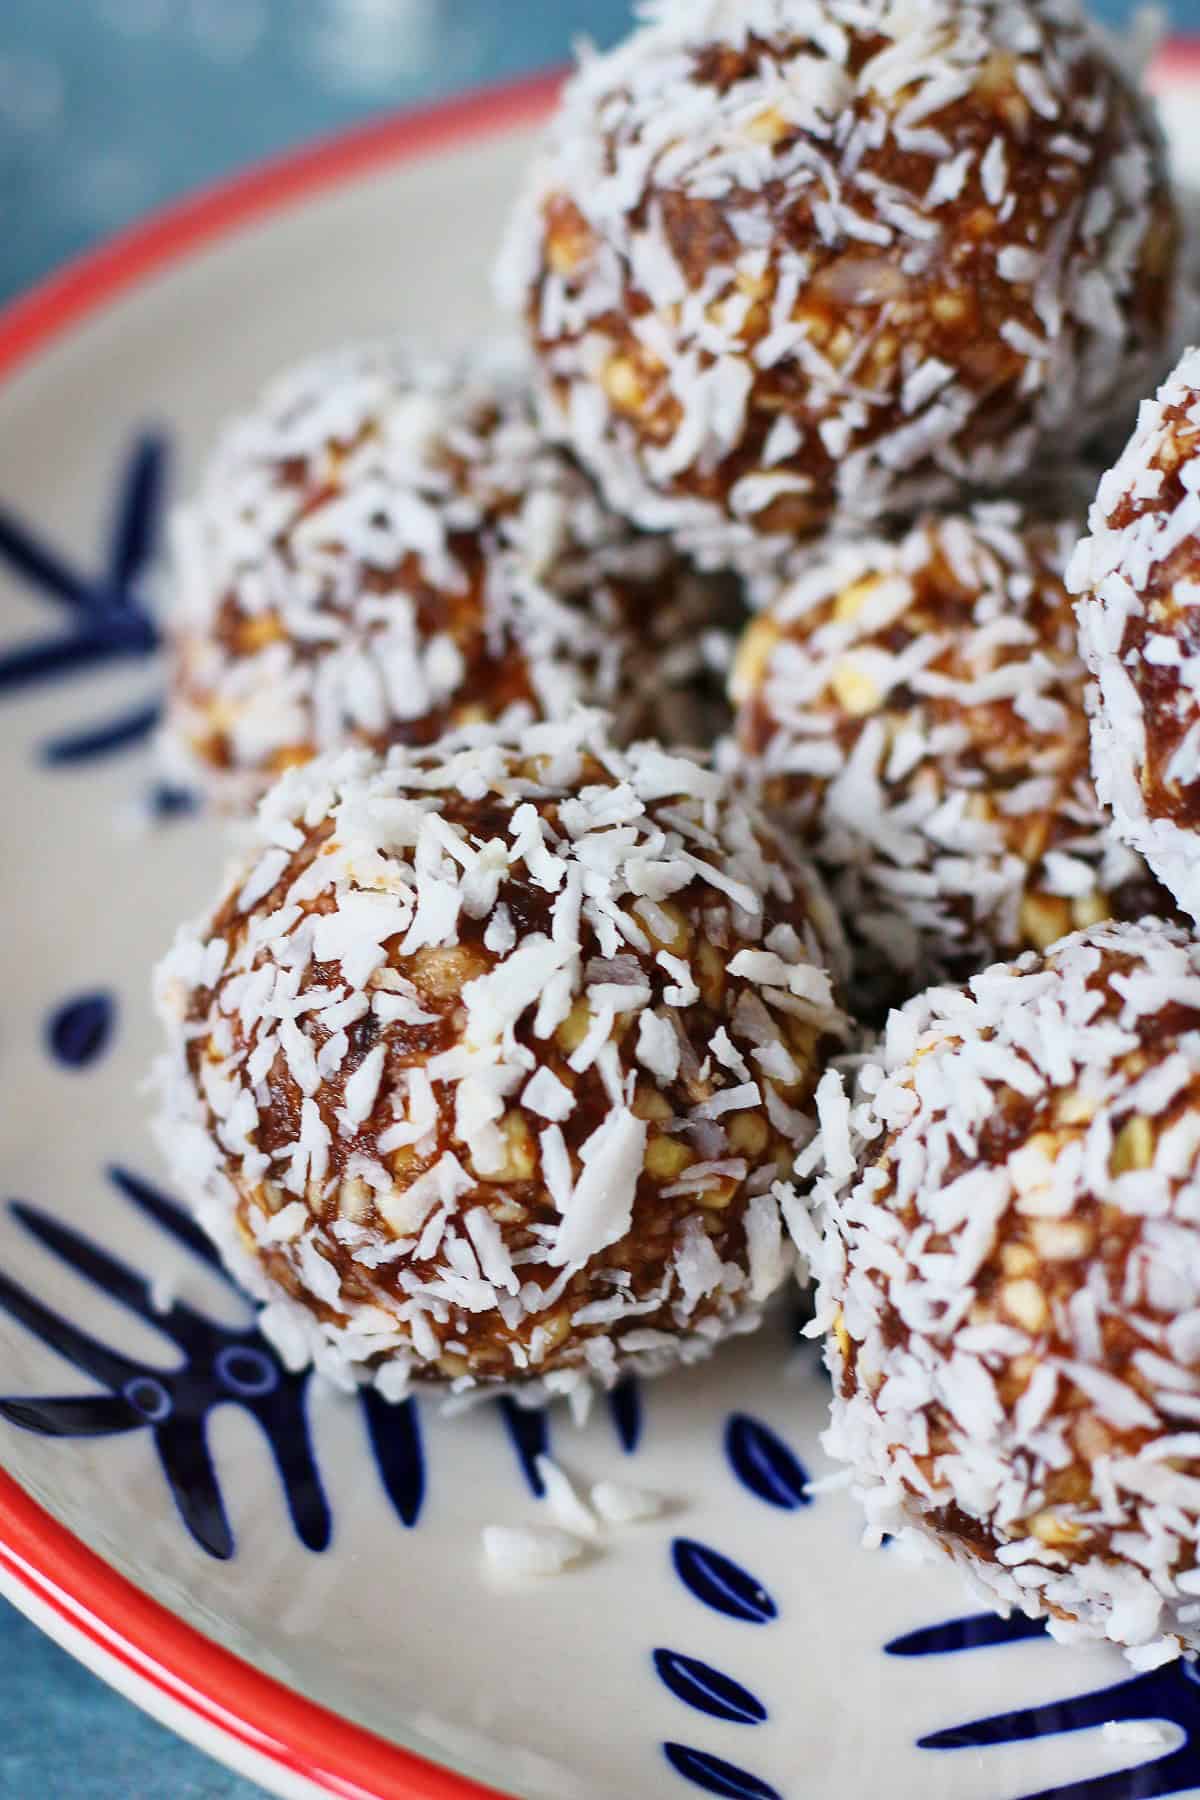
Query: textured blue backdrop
<point x="107" y="108"/>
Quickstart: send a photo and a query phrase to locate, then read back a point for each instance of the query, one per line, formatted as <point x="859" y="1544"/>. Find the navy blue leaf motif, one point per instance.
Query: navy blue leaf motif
<point x="978" y="1631"/>
<point x="109" y="618"/>
<point x="721" y="1584"/>
<point x="102" y="740"/>
<point x="62" y="656"/>
<point x="165" y="801"/>
<point x="214" y="1363"/>
<point x="71" y="1416"/>
<point x="625" y="1405"/>
<point x="395" y="1434"/>
<point x="1168" y="1776"/>
<point x="38" y="564"/>
<point x="173" y="1220"/>
<point x="763" y="1463"/>
<point x="138" y="512"/>
<point x="1170" y="1694"/>
<point x="698" y="1684"/>
<point x="530" y="1435"/>
<point x="78" y="1031"/>
<point x="716" y="1776"/>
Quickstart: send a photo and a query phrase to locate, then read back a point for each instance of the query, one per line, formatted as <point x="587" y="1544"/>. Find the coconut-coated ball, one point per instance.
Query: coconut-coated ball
<point x="486" y="1066"/>
<point x="912" y="708"/>
<point x="386" y="548"/>
<point x="787" y="262"/>
<point x="1010" y="1280"/>
<point x="1138" y="577"/>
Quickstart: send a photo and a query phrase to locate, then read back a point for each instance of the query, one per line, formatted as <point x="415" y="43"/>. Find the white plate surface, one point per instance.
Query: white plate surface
<point x="774" y="1674"/>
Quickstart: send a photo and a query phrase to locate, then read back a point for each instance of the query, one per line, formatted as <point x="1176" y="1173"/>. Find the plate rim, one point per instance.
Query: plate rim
<point x="260" y="1725"/>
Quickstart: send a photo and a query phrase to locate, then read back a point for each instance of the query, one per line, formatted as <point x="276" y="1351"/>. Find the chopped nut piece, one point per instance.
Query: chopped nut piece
<point x="1133" y="1147"/>
<point x="854" y="690"/>
<point x="1062" y="1240"/>
<point x="1025" y="1303"/>
<point x="667" y="1158"/>
<point x="1044" y="919"/>
<point x="1053" y="1531"/>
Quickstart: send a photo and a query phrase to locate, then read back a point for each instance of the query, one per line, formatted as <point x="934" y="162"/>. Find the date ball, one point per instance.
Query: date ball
<point x="386" y="548"/>
<point x="913" y="710"/>
<point x="785" y="263"/>
<point x="1011" y="1283"/>
<point x="484" y="1069"/>
<point x="1138" y="578"/>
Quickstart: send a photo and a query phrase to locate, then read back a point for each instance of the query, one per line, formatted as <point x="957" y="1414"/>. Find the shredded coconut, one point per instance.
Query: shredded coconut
<point x="539" y="1163"/>
<point x="1008" y="1276"/>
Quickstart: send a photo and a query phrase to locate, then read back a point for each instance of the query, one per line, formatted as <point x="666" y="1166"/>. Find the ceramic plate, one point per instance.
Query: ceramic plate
<point x="290" y="1577"/>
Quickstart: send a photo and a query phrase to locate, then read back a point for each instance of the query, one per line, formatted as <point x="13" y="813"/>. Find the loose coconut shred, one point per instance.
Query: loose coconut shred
<point x="1010" y="1279"/>
<point x="913" y="708"/>
<point x="784" y="262"/>
<point x="485" y="1070"/>
<point x="1139" y="615"/>
<point x="386" y="547"/>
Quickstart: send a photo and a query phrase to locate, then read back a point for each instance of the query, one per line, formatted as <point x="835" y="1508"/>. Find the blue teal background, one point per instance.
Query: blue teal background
<point x="107" y="109"/>
<point x="110" y="107"/>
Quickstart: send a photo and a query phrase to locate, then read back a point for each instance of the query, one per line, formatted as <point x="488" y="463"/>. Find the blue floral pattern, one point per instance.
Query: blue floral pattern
<point x="716" y="1776"/>
<point x="721" y="1584"/>
<point x="769" y="1470"/>
<point x="108" y="615"/>
<point x="221" y="1364"/>
<point x="218" y="1364"/>
<point x="710" y="1691"/>
<point x="1170" y="1694"/>
<point x="767" y="1467"/>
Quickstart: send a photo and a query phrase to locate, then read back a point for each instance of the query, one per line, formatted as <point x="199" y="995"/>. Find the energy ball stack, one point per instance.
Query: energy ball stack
<point x="913" y="710"/>
<point x="387" y="548"/>
<point x="1138" y="575"/>
<point x="785" y="265"/>
<point x="491" y="1066"/>
<point x="483" y="1070"/>
<point x="1011" y="1278"/>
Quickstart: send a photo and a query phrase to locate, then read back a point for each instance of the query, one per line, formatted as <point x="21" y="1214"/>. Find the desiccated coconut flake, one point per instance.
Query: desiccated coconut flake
<point x="517" y="1551"/>
<point x="566" y="1507"/>
<point x="601" y="1204"/>
<point x="617" y="1503"/>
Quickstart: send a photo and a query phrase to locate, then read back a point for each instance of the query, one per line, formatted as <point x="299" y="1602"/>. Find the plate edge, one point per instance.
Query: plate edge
<point x="36" y="1550"/>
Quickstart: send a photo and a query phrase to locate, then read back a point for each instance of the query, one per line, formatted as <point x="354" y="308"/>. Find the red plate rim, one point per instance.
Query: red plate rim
<point x="39" y="1554"/>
